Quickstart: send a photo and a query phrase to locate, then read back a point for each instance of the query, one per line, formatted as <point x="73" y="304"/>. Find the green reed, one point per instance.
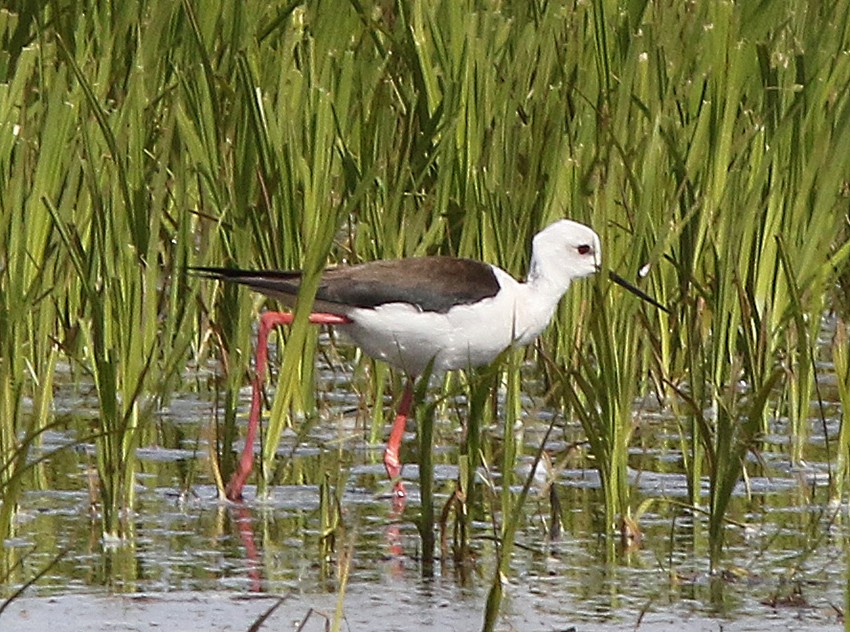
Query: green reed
<point x="841" y="362"/>
<point x="481" y="389"/>
<point x="89" y="237"/>
<point x="425" y="435"/>
<point x="330" y="520"/>
<point x="512" y="504"/>
<point x="711" y="160"/>
<point x="28" y="318"/>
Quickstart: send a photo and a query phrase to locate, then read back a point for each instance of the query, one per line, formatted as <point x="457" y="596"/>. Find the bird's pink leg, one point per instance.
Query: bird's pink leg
<point x="393" y="465"/>
<point x="268" y="321"/>
<point x="391" y="459"/>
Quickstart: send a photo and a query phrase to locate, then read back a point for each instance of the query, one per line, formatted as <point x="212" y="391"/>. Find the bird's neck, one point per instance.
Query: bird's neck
<point x="546" y="282"/>
<point x="539" y="297"/>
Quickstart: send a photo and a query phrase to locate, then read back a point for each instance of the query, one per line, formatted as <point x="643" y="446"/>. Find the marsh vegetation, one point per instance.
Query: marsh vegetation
<point x="705" y="142"/>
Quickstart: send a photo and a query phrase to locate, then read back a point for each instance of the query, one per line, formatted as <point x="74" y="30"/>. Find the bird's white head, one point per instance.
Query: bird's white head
<point x="563" y="251"/>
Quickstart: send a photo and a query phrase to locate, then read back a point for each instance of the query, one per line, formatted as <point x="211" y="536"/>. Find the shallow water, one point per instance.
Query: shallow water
<point x="195" y="563"/>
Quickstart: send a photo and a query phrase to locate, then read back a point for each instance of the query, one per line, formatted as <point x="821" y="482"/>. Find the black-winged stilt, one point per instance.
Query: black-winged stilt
<point x="443" y="312"/>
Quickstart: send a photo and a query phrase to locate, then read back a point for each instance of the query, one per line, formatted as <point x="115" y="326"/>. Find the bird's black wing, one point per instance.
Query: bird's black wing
<point x="432" y="284"/>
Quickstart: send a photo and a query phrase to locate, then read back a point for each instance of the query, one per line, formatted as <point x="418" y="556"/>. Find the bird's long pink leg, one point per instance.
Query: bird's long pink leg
<point x="268" y="321"/>
<point x="391" y="459"/>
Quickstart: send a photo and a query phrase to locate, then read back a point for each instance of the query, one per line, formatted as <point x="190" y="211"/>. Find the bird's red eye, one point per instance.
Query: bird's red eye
<point x="584" y="249"/>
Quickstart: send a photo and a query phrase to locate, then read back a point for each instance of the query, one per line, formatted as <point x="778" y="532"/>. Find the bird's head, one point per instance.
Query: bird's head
<point x="566" y="250"/>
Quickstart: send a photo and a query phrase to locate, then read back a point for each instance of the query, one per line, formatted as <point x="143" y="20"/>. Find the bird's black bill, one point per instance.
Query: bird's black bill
<point x="616" y="278"/>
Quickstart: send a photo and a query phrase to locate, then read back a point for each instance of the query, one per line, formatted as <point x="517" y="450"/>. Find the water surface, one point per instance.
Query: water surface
<point x="197" y="563"/>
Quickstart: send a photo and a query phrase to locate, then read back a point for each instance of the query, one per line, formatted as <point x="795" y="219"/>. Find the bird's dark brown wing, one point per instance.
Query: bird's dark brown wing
<point x="432" y="284"/>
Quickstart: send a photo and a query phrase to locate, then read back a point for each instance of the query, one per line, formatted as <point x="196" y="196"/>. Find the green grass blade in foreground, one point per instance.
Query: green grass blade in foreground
<point x="512" y="510"/>
<point x="841" y="362"/>
<point x="425" y="435"/>
<point x="42" y="571"/>
<point x="320" y="231"/>
<point x="29" y="317"/>
<point x="600" y="390"/>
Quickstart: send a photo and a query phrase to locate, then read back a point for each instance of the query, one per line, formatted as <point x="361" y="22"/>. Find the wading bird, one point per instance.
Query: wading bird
<point x="440" y="312"/>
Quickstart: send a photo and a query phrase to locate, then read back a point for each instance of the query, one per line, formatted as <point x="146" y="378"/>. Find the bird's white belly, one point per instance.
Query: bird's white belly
<point x="465" y="336"/>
